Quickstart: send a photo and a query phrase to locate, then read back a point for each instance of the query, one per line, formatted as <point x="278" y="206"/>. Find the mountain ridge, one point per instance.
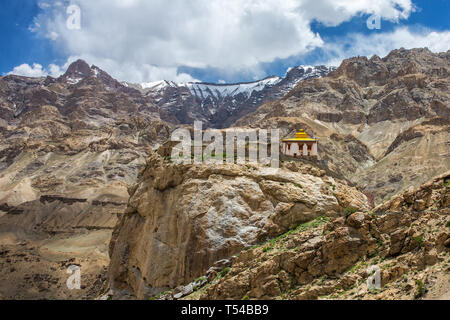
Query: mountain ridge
<point x="73" y="150"/>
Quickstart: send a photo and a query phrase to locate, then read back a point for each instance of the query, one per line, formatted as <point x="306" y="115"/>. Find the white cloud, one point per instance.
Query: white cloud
<point x="132" y="72"/>
<point x="140" y="40"/>
<point x="334" y="12"/>
<point x="382" y="43"/>
<point x="37" y="70"/>
<point x="29" y="71"/>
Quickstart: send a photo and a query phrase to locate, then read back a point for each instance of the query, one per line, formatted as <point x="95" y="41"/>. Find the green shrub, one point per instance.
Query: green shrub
<point x="350" y="210"/>
<point x="201" y="279"/>
<point x="419" y="241"/>
<point x="420" y="289"/>
<point x="224" y="272"/>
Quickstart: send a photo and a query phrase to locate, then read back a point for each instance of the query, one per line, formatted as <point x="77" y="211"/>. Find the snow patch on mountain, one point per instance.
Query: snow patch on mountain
<point x="158" y="85"/>
<point x="218" y="91"/>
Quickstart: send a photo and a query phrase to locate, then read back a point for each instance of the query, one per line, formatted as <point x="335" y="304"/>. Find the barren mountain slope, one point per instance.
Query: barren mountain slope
<point x="63" y="182"/>
<point x="407" y="240"/>
<point x="219" y="105"/>
<point x="373" y="102"/>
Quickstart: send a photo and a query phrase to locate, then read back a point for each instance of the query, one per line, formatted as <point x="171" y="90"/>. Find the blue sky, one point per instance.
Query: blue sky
<point x="266" y="42"/>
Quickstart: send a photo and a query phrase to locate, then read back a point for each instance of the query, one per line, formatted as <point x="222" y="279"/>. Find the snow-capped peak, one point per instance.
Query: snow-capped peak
<point x="157" y="85"/>
<point x="205" y="90"/>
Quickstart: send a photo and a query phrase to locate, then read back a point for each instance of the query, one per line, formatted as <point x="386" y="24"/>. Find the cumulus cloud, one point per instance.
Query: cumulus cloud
<point x="382" y="43"/>
<point x="141" y="40"/>
<point x="335" y="12"/>
<point x="36" y="70"/>
<point x="133" y="72"/>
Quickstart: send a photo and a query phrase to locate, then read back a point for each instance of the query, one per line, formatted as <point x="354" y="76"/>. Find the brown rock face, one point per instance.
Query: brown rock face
<point x="183" y="219"/>
<point x="330" y="260"/>
<point x="393" y="113"/>
<point x="66" y="160"/>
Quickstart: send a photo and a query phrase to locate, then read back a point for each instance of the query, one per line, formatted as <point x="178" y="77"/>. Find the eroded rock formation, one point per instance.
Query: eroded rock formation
<point x="182" y="219"/>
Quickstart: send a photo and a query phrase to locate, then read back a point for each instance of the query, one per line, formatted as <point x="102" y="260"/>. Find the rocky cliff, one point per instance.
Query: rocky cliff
<point x="404" y="242"/>
<point x="181" y="220"/>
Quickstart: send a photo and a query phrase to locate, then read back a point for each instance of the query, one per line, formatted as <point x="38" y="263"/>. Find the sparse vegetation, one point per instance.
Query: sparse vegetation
<point x="267" y="249"/>
<point x="157" y="297"/>
<point x="420" y="289"/>
<point x="350" y="210"/>
<point x="419" y="241"/>
<point x="201" y="279"/>
<point x="270" y="244"/>
<point x="224" y="272"/>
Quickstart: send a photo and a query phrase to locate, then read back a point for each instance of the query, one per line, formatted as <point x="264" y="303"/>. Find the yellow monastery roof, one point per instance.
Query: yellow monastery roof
<point x="300" y="136"/>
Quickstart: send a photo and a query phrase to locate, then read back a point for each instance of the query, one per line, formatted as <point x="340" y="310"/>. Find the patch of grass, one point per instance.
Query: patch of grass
<point x="159" y="295"/>
<point x="420" y="289"/>
<point x="386" y="266"/>
<point x="303" y="227"/>
<point x="353" y="268"/>
<point x="419" y="240"/>
<point x="350" y="210"/>
<point x="298" y="185"/>
<point x="246" y="298"/>
<point x="224" y="272"/>
<point x="322" y="279"/>
<point x="201" y="279"/>
<point x="270" y="244"/>
<point x="447" y="224"/>
<point x="267" y="249"/>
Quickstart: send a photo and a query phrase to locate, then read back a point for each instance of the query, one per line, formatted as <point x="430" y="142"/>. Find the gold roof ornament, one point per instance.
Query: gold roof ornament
<point x="300" y="136"/>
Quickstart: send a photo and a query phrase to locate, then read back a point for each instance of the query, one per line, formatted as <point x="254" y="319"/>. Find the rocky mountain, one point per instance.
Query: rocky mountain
<point x="251" y="232"/>
<point x="203" y="214"/>
<point x="85" y="180"/>
<point x="69" y="149"/>
<point x="381" y="123"/>
<point x="219" y="105"/>
<point x="405" y="242"/>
